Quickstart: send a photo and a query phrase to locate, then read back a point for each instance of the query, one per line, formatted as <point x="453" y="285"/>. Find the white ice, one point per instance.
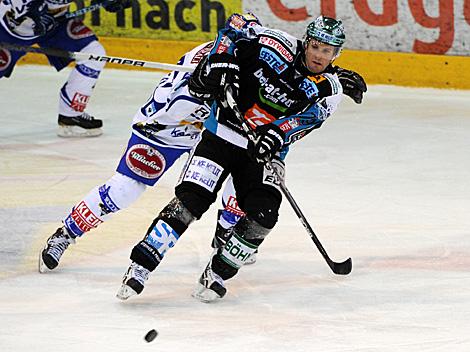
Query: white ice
<point x="386" y="183"/>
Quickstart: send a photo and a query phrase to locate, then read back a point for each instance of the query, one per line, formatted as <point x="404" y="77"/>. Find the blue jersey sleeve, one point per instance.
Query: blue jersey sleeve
<point x="298" y="125"/>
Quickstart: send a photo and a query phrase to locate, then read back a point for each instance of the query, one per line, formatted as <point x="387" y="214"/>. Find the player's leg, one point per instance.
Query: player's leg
<point x="260" y="199"/>
<point x="200" y="181"/>
<point x="227" y="217"/>
<point x="9" y="58"/>
<point x="142" y="165"/>
<point x="75" y="94"/>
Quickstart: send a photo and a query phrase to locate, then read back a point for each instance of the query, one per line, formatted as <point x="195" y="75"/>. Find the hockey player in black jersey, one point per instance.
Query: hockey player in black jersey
<point x="285" y="88"/>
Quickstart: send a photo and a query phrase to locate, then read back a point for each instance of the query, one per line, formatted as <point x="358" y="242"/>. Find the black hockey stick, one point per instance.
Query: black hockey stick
<point x="74" y="55"/>
<point x="343" y="268"/>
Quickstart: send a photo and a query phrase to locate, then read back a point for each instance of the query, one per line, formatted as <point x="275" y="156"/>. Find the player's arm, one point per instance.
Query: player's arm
<point x="219" y="69"/>
<point x="276" y="137"/>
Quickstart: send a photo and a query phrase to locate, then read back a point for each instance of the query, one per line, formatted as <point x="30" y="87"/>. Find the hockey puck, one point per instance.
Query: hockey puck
<point x="151" y="335"/>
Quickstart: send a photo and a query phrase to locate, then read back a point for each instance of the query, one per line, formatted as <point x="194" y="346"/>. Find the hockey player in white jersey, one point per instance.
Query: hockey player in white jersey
<point x="167" y="126"/>
<point x="43" y="22"/>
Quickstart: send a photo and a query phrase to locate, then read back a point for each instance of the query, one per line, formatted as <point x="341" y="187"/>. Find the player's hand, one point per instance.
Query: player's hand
<point x="223" y="71"/>
<point x="353" y="84"/>
<point x="117" y="5"/>
<point x="43" y="22"/>
<point x="269" y="140"/>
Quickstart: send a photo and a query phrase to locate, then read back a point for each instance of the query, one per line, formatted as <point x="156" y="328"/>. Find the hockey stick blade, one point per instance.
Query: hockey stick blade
<point x="343" y="268"/>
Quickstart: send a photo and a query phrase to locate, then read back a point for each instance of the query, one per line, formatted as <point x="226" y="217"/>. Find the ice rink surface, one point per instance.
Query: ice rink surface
<point x="386" y="183"/>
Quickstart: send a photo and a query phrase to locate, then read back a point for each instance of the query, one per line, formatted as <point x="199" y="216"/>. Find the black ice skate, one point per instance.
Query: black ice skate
<point x="56" y="245"/>
<point x="133" y="281"/>
<point x="83" y="125"/>
<point x="210" y="286"/>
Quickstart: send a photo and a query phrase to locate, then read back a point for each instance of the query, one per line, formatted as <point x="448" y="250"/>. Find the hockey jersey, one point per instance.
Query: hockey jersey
<point x="275" y="87"/>
<point x="12" y="12"/>
<point x="171" y="115"/>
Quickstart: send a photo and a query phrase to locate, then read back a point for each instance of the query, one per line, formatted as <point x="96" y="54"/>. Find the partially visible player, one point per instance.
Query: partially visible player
<point x="164" y="128"/>
<point x="43" y="22"/>
<point x="285" y="88"/>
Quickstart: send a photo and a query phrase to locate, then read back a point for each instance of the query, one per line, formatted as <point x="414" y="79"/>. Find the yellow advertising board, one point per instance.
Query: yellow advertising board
<point x="163" y="19"/>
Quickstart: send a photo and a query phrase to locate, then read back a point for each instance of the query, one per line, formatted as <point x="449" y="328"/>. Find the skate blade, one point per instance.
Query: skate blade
<point x="42" y="268"/>
<point x="204" y="294"/>
<point x="78" y="132"/>
<point x="125" y="292"/>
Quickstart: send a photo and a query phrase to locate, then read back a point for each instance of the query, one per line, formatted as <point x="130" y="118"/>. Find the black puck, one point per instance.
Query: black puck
<point x="151" y="335"/>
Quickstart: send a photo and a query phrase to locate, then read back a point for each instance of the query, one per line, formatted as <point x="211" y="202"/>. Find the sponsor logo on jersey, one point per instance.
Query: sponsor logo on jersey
<point x="309" y="87"/>
<point x="232" y="206"/>
<point x="258" y="117"/>
<point x="224" y="45"/>
<point x="279" y="36"/>
<point x="77" y="30"/>
<point x="277" y="46"/>
<point x="290" y="124"/>
<point x="84" y="218"/>
<point x="272" y="60"/>
<point x="202" y="53"/>
<point x="145" y="161"/>
<point x="5" y="59"/>
<point x="271" y="95"/>
<point x="79" y="102"/>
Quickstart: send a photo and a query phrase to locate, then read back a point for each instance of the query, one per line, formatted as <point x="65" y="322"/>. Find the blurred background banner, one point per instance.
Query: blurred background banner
<point x="159" y="19"/>
<point x="419" y="26"/>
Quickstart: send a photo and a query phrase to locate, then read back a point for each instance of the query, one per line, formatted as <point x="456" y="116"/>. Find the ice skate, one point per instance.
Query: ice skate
<point x="133" y="281"/>
<point x="83" y="125"/>
<point x="210" y="286"/>
<point x="56" y="245"/>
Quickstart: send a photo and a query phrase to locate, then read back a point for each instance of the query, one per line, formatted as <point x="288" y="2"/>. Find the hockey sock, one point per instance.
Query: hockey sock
<point x="97" y="206"/>
<point x="76" y="92"/>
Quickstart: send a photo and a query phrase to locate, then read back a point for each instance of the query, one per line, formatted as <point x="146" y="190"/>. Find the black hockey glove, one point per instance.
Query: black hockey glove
<point x="117" y="5"/>
<point x="269" y="140"/>
<point x="196" y="85"/>
<point x="223" y="71"/>
<point x="353" y="84"/>
<point x="43" y="22"/>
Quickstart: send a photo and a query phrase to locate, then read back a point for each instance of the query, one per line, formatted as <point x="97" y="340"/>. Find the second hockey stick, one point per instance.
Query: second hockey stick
<point x="84" y="10"/>
<point x="74" y="55"/>
<point x="343" y="268"/>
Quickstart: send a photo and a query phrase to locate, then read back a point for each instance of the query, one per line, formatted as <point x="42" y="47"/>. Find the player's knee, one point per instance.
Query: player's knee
<point x="194" y="201"/>
<point x="177" y="215"/>
<point x="251" y="230"/>
<point x="119" y="192"/>
<point x="265" y="211"/>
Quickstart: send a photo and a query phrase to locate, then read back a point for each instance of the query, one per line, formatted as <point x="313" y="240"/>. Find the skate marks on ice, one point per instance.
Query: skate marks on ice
<point x="386" y="183"/>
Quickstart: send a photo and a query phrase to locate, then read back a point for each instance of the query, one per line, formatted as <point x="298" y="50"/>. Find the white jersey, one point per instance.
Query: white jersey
<point x="11" y="12"/>
<point x="174" y="114"/>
